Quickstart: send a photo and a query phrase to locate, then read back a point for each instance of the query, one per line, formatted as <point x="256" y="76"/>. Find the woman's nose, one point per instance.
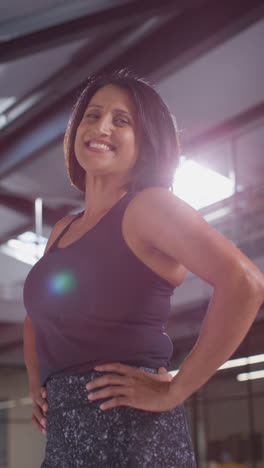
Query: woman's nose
<point x="105" y="125"/>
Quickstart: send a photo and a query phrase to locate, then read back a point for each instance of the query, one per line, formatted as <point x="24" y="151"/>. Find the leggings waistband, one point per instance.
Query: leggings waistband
<point x="69" y="391"/>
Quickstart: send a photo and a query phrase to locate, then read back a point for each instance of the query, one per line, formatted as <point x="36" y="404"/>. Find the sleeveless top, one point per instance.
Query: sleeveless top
<point x="95" y="301"/>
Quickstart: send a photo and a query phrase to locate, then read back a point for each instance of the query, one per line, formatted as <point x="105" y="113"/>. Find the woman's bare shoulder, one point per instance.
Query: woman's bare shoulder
<point x="57" y="229"/>
<point x="173" y="227"/>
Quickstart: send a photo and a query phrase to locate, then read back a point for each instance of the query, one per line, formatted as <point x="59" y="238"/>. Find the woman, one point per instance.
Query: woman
<point x="98" y="298"/>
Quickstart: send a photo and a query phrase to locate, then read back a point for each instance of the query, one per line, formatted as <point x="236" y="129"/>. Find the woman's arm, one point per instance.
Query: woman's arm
<point x="170" y="225"/>
<point x="231" y="312"/>
<point x="37" y="393"/>
<point x="30" y="355"/>
<point x="179" y="231"/>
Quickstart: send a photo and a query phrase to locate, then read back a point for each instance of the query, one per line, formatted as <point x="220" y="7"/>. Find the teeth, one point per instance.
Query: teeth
<point x="99" y="145"/>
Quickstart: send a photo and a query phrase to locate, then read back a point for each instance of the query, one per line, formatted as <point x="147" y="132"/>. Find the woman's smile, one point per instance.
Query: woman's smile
<point x="99" y="146"/>
<point x="108" y="127"/>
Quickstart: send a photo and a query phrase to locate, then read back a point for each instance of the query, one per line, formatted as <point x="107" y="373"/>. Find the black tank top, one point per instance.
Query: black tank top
<point x="95" y="301"/>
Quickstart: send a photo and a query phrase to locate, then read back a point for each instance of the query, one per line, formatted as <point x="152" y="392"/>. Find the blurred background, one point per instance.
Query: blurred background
<point x="205" y="58"/>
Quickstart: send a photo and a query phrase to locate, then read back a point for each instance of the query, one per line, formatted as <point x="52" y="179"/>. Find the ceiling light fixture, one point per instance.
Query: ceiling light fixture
<point x="259" y="374"/>
<point x="237" y="363"/>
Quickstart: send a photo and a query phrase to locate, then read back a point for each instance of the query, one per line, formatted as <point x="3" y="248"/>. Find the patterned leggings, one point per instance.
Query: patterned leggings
<point x="79" y="434"/>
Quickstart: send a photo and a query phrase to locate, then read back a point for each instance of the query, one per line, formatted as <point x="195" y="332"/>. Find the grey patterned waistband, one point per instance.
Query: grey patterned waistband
<point x="69" y="391"/>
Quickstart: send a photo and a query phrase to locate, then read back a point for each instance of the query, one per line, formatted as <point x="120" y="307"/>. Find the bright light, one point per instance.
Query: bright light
<point x="200" y="186"/>
<point x="15" y="403"/>
<point x="236" y="363"/>
<point x="243" y="361"/>
<point x="8" y="404"/>
<point x="28" y="247"/>
<point x="259" y="374"/>
<point x="6" y="102"/>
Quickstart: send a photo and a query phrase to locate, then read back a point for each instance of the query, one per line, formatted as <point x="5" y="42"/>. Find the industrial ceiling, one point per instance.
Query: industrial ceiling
<point x="205" y="57"/>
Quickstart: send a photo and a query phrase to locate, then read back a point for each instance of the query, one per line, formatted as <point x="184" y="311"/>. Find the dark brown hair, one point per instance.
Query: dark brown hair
<point x="159" y="150"/>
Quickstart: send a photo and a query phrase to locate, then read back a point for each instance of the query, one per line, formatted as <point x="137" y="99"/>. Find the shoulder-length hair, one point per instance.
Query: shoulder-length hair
<point x="159" y="144"/>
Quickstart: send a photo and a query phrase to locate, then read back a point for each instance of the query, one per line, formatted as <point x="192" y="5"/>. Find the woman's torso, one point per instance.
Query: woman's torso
<point x="164" y="266"/>
<point x="99" y="293"/>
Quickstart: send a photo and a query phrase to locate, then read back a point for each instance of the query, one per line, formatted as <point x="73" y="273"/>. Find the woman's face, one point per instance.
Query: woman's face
<point x="106" y="140"/>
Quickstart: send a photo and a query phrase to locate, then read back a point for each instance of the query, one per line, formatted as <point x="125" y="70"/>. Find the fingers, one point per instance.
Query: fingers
<point x="44" y="403"/>
<point x="44" y="392"/>
<point x="41" y="402"/>
<point x="38" y="421"/>
<point x="108" y="392"/>
<point x="40" y="406"/>
<point x="118" y="401"/>
<point x="164" y="375"/>
<point x="109" y="379"/>
<point x="39" y="398"/>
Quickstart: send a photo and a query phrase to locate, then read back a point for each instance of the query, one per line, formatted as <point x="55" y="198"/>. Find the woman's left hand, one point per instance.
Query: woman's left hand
<point x="133" y="387"/>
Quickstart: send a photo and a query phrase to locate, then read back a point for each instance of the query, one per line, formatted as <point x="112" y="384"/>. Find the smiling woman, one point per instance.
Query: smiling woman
<point x="97" y="301"/>
<point x="105" y="130"/>
<point x="151" y="119"/>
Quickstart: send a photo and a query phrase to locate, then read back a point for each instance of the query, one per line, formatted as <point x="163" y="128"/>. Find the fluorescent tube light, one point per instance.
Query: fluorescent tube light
<point x="236" y="363"/>
<point x="259" y="374"/>
<point x="242" y="361"/>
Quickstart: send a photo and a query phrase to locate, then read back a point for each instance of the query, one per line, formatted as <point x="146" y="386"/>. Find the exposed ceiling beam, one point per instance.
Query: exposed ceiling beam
<point x="45" y="18"/>
<point x="230" y="127"/>
<point x="27" y="142"/>
<point x="251" y="345"/>
<point x="96" y="21"/>
<point x="89" y="61"/>
<point x="25" y="206"/>
<point x="191" y="34"/>
<point x="32" y="139"/>
<point x="191" y="30"/>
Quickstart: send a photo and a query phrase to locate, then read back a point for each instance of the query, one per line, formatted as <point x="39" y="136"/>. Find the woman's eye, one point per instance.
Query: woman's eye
<point x="92" y="115"/>
<point x="118" y="120"/>
<point x="122" y="121"/>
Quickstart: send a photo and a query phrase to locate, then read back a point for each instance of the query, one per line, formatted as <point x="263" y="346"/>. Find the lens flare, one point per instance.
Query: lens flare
<point x="62" y="282"/>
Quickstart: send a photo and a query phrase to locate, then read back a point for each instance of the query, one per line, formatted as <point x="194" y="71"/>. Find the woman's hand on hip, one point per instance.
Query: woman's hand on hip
<point x="38" y="396"/>
<point x="132" y="387"/>
<point x="163" y="374"/>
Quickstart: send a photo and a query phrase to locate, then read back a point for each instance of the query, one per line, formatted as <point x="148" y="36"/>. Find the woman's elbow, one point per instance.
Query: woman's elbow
<point x="244" y="279"/>
<point x="252" y="285"/>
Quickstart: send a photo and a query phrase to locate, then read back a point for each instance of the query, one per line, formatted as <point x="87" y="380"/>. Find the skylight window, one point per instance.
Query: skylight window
<point x="28" y="247"/>
<point x="200" y="186"/>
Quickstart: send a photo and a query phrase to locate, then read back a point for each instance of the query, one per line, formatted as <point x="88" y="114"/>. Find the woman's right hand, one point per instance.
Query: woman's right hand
<point x="38" y="396"/>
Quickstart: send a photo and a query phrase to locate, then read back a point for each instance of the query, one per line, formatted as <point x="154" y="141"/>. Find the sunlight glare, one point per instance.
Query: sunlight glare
<point x="200" y="186"/>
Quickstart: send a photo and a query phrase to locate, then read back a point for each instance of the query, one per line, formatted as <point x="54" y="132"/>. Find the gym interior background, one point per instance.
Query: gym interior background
<point x="206" y="59"/>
